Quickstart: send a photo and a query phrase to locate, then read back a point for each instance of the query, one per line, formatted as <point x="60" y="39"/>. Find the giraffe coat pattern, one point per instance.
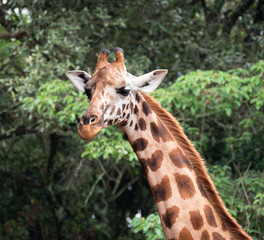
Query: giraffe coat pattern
<point x="188" y="203"/>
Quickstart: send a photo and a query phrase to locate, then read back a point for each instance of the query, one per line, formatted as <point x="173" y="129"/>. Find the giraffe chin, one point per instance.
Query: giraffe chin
<point x="88" y="132"/>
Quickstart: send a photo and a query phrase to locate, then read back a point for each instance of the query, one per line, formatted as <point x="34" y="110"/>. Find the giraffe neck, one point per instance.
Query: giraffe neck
<point x="183" y="204"/>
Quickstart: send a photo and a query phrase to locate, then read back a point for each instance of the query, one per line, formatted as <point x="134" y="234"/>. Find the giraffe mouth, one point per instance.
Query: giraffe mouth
<point x="88" y="132"/>
<point x="90" y="126"/>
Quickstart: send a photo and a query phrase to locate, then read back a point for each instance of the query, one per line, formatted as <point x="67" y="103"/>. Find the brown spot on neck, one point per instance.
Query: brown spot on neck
<point x="178" y="159"/>
<point x="142" y="124"/>
<point x="154" y="131"/>
<point x="123" y="106"/>
<point x="140" y="144"/>
<point x="122" y="124"/>
<point x="112" y="110"/>
<point x="146" y="109"/>
<point x="137" y="97"/>
<point x="131" y="106"/>
<point x="160" y="132"/>
<point x="185" y="185"/>
<point x="162" y="191"/>
<point x="185" y="234"/>
<point x="169" y="218"/>
<point x="202" y="191"/>
<point x="155" y="161"/>
<point x="196" y="219"/>
<point x="209" y="216"/>
<point x="205" y="235"/>
<point x="217" y="236"/>
<point x="135" y="109"/>
<point x="164" y="133"/>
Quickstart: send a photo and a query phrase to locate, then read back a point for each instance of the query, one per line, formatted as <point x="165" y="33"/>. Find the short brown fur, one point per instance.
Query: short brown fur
<point x="155" y="161"/>
<point x="162" y="191"/>
<point x="185" y="186"/>
<point x="185" y="235"/>
<point x="217" y="236"/>
<point x="205" y="235"/>
<point x="209" y="216"/>
<point x="178" y="159"/>
<point x="169" y="218"/>
<point x="196" y="219"/>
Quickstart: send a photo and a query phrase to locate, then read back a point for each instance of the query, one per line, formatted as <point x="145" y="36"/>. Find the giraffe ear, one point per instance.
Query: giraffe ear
<point x="78" y="78"/>
<point x="150" y="81"/>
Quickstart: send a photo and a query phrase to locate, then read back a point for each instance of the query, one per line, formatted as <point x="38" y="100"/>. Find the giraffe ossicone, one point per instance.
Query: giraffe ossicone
<point x="188" y="203"/>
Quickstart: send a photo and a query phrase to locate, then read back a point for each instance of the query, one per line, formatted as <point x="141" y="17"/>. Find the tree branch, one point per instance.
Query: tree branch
<point x="19" y="131"/>
<point x="53" y="150"/>
<point x="21" y="35"/>
<point x="20" y="178"/>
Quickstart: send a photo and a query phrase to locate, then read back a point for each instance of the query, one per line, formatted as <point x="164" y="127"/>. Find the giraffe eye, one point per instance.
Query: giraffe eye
<point x="124" y="91"/>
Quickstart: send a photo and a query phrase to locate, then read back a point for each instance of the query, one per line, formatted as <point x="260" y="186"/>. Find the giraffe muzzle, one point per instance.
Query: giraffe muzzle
<point x="89" y="127"/>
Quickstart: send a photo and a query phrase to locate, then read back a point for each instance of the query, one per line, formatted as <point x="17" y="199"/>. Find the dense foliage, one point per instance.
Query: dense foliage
<point x="55" y="186"/>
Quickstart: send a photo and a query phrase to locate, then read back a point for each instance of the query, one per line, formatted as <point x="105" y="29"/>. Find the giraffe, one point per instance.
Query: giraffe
<point x="188" y="203"/>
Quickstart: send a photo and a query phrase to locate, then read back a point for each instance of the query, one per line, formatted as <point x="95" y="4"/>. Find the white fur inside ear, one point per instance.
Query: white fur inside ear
<point x="150" y="81"/>
<point x="78" y="78"/>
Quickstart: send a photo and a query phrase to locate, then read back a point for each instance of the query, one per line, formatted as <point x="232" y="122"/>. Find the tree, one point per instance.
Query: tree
<point x="55" y="186"/>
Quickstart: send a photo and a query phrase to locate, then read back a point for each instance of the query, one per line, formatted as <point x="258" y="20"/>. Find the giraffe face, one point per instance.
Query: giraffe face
<point x="111" y="91"/>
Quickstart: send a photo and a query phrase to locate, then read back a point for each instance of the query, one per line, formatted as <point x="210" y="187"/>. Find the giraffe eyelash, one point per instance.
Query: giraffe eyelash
<point x="124" y="90"/>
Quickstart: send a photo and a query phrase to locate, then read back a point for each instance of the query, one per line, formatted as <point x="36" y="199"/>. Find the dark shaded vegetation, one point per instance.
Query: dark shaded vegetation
<point x="55" y="186"/>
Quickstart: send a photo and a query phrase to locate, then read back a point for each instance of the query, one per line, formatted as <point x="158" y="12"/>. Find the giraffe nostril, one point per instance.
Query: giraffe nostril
<point x="85" y="120"/>
<point x="89" y="120"/>
<point x="93" y="119"/>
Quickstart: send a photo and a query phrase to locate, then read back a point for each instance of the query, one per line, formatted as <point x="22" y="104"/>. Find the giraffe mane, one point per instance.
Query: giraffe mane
<point x="198" y="166"/>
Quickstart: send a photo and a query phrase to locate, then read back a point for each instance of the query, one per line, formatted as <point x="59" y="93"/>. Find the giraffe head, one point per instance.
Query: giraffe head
<point x="111" y="91"/>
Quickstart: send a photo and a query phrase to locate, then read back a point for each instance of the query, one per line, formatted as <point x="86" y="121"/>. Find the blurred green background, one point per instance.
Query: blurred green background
<point x="53" y="185"/>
